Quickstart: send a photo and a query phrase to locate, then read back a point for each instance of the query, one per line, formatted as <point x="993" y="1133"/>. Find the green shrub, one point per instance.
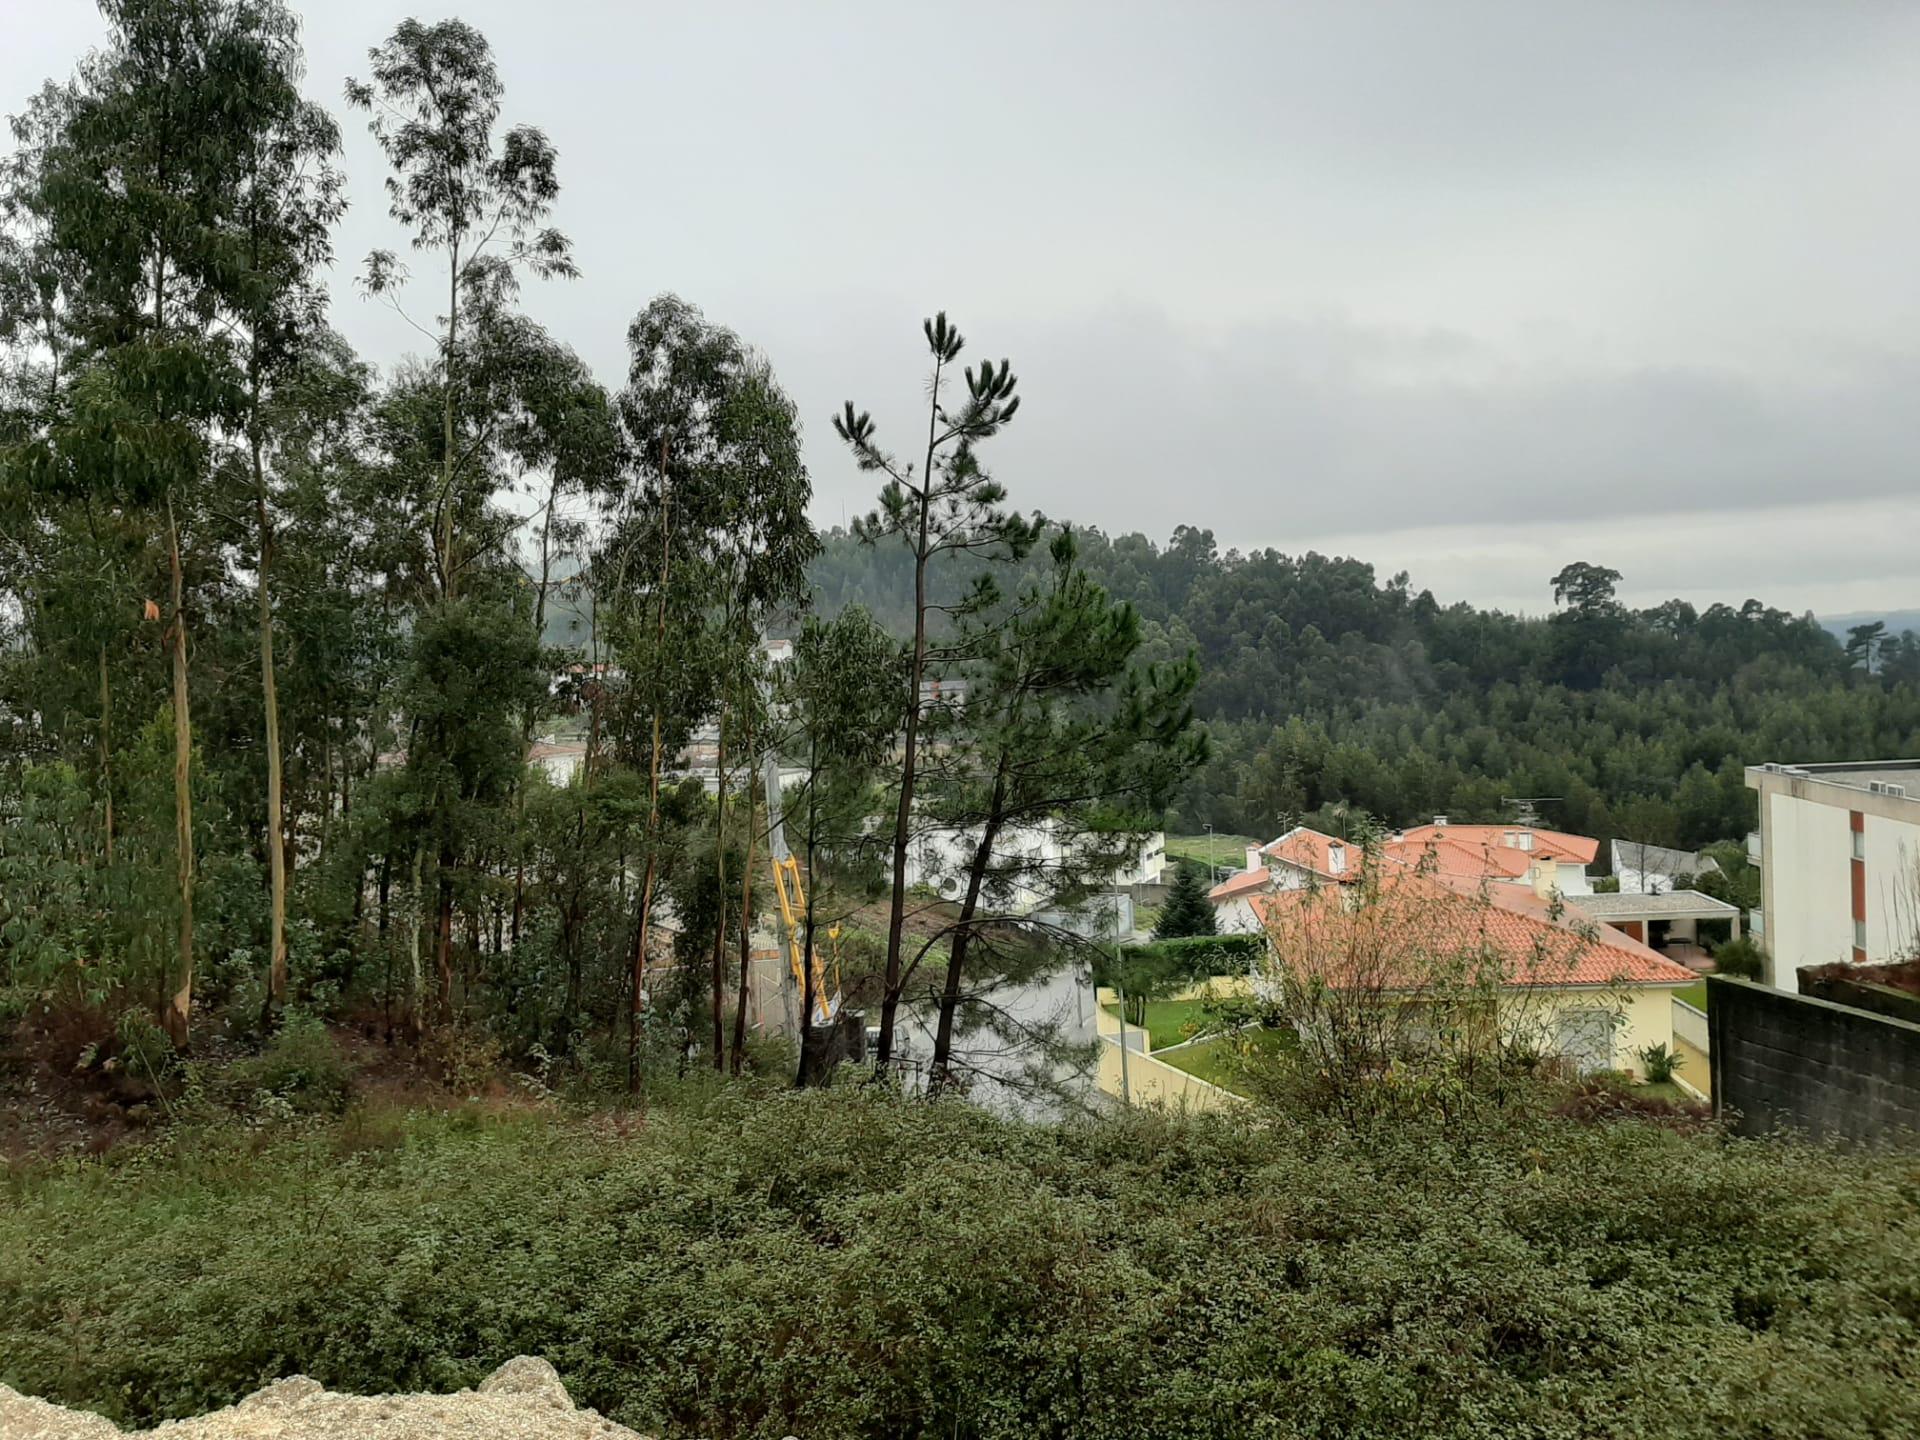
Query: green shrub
<point x="1660" y="1063"/>
<point x="1169" y="964"/>
<point x="842" y="1264"/>
<point x="300" y="1068"/>
<point x="1742" y="957"/>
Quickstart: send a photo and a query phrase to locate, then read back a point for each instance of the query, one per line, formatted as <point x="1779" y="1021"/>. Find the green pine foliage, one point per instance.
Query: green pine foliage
<point x="1323" y="685"/>
<point x="1187" y="912"/>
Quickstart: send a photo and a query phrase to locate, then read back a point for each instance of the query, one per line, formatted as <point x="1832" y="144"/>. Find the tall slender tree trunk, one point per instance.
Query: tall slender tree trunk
<point x="746" y="926"/>
<point x="414" y="921"/>
<point x="106" y="746"/>
<point x="526" y="734"/>
<point x="180" y="1003"/>
<point x="903" y="818"/>
<point x="443" y="932"/>
<point x="446" y="421"/>
<point x="809" y="1069"/>
<point x="653" y="788"/>
<point x="940" y="1071"/>
<point x="719" y="977"/>
<point x="270" y="696"/>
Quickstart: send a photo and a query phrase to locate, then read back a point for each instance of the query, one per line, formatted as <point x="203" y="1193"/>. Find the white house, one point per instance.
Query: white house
<point x="1644" y="869"/>
<point x="1041" y="859"/>
<point x="1841" y="879"/>
<point x="1298" y="858"/>
<point x="561" y="759"/>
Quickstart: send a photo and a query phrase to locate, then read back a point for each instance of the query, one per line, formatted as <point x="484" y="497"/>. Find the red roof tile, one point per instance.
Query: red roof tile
<point x="1393" y="934"/>
<point x="1318" y="852"/>
<point x="1442" y="855"/>
<point x="1555" y="844"/>
<point x="1247" y="882"/>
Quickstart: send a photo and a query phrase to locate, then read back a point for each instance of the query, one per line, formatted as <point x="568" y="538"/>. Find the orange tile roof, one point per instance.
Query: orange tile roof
<point x="1247" y="882"/>
<point x="1555" y="844"/>
<point x="1314" y="850"/>
<point x="1396" y="933"/>
<point x="1304" y="849"/>
<point x="1443" y="855"/>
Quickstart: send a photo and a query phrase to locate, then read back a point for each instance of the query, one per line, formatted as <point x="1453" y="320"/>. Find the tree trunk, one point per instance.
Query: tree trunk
<point x="639" y="996"/>
<point x="270" y="697"/>
<point x="939" y="1074"/>
<point x="106" y="747"/>
<point x="526" y="736"/>
<point x="180" y="1004"/>
<point x="443" y="933"/>
<point x="809" y="1071"/>
<point x="413" y="941"/>
<point x="446" y="460"/>
<point x="719" y="976"/>
<point x="746" y="929"/>
<point x="903" y="818"/>
<point x="653" y="786"/>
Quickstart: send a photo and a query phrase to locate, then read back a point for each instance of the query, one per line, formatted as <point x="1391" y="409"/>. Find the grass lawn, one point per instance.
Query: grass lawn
<point x="1217" y="1060"/>
<point x="1167" y="1019"/>
<point x="1226" y="850"/>
<point x="1694" y="994"/>
<point x="1663" y="1090"/>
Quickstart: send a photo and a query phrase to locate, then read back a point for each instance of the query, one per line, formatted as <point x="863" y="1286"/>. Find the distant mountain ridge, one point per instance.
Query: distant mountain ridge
<point x="1897" y="621"/>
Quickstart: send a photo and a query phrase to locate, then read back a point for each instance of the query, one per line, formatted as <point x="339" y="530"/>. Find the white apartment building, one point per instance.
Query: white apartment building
<point x="1038" y="858"/>
<point x="1839" y="863"/>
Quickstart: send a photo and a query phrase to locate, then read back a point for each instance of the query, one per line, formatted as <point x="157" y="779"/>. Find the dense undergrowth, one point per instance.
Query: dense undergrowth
<point x="843" y="1264"/>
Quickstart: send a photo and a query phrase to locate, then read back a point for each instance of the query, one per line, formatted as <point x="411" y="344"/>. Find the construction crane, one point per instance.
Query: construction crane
<point x="787" y="883"/>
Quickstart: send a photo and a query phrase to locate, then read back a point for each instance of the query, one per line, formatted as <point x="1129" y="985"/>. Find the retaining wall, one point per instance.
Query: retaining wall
<point x="1795" y="1061"/>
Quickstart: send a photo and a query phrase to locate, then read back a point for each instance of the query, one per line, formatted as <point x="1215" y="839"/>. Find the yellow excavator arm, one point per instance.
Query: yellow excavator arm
<point x="793" y="904"/>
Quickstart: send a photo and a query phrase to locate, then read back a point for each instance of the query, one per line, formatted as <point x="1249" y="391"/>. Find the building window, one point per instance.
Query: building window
<point x="1859" y="845"/>
<point x="1860" y="936"/>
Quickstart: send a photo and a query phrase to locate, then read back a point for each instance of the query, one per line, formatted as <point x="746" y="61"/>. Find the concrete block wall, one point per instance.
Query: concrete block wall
<point x="1783" y="1061"/>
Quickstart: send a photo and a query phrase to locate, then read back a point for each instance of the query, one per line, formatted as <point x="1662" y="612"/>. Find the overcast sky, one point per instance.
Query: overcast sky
<point x="1469" y="289"/>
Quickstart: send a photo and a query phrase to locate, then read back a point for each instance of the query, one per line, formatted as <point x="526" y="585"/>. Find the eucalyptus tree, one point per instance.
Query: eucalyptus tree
<point x="1064" y="757"/>
<point x="474" y="198"/>
<point x="757" y="543"/>
<point x="141" y="191"/>
<point x="840" y="704"/>
<point x="945" y="506"/>
<point x="287" y="198"/>
<point x="544" y="416"/>
<point x="651" y="570"/>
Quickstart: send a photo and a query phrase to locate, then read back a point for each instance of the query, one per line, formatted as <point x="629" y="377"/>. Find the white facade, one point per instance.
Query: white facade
<point x="1234" y="916"/>
<point x="1043" y="855"/>
<point x="1570" y="879"/>
<point x="1814" y="915"/>
<point x="1644" y="869"/>
<point x="561" y="759"/>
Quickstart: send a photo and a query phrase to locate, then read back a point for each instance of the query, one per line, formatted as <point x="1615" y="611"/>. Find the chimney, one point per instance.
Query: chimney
<point x="1337" y="858"/>
<point x="1254" y="859"/>
<point x="1546" y="877"/>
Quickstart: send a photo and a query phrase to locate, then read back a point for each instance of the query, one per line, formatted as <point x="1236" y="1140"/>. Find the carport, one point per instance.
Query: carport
<point x="1670" y="918"/>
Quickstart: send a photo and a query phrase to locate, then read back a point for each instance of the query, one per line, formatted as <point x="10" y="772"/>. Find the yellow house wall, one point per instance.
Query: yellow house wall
<point x="1645" y="1017"/>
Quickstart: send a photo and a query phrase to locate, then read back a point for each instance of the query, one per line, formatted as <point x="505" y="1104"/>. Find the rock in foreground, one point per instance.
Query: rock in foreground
<point x="522" y="1400"/>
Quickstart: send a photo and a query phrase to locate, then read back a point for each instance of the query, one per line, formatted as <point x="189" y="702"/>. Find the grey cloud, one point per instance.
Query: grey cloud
<point x="1288" y="271"/>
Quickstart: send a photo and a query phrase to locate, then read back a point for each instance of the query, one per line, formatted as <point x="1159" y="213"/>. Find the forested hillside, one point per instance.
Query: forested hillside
<point x="1323" y="685"/>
